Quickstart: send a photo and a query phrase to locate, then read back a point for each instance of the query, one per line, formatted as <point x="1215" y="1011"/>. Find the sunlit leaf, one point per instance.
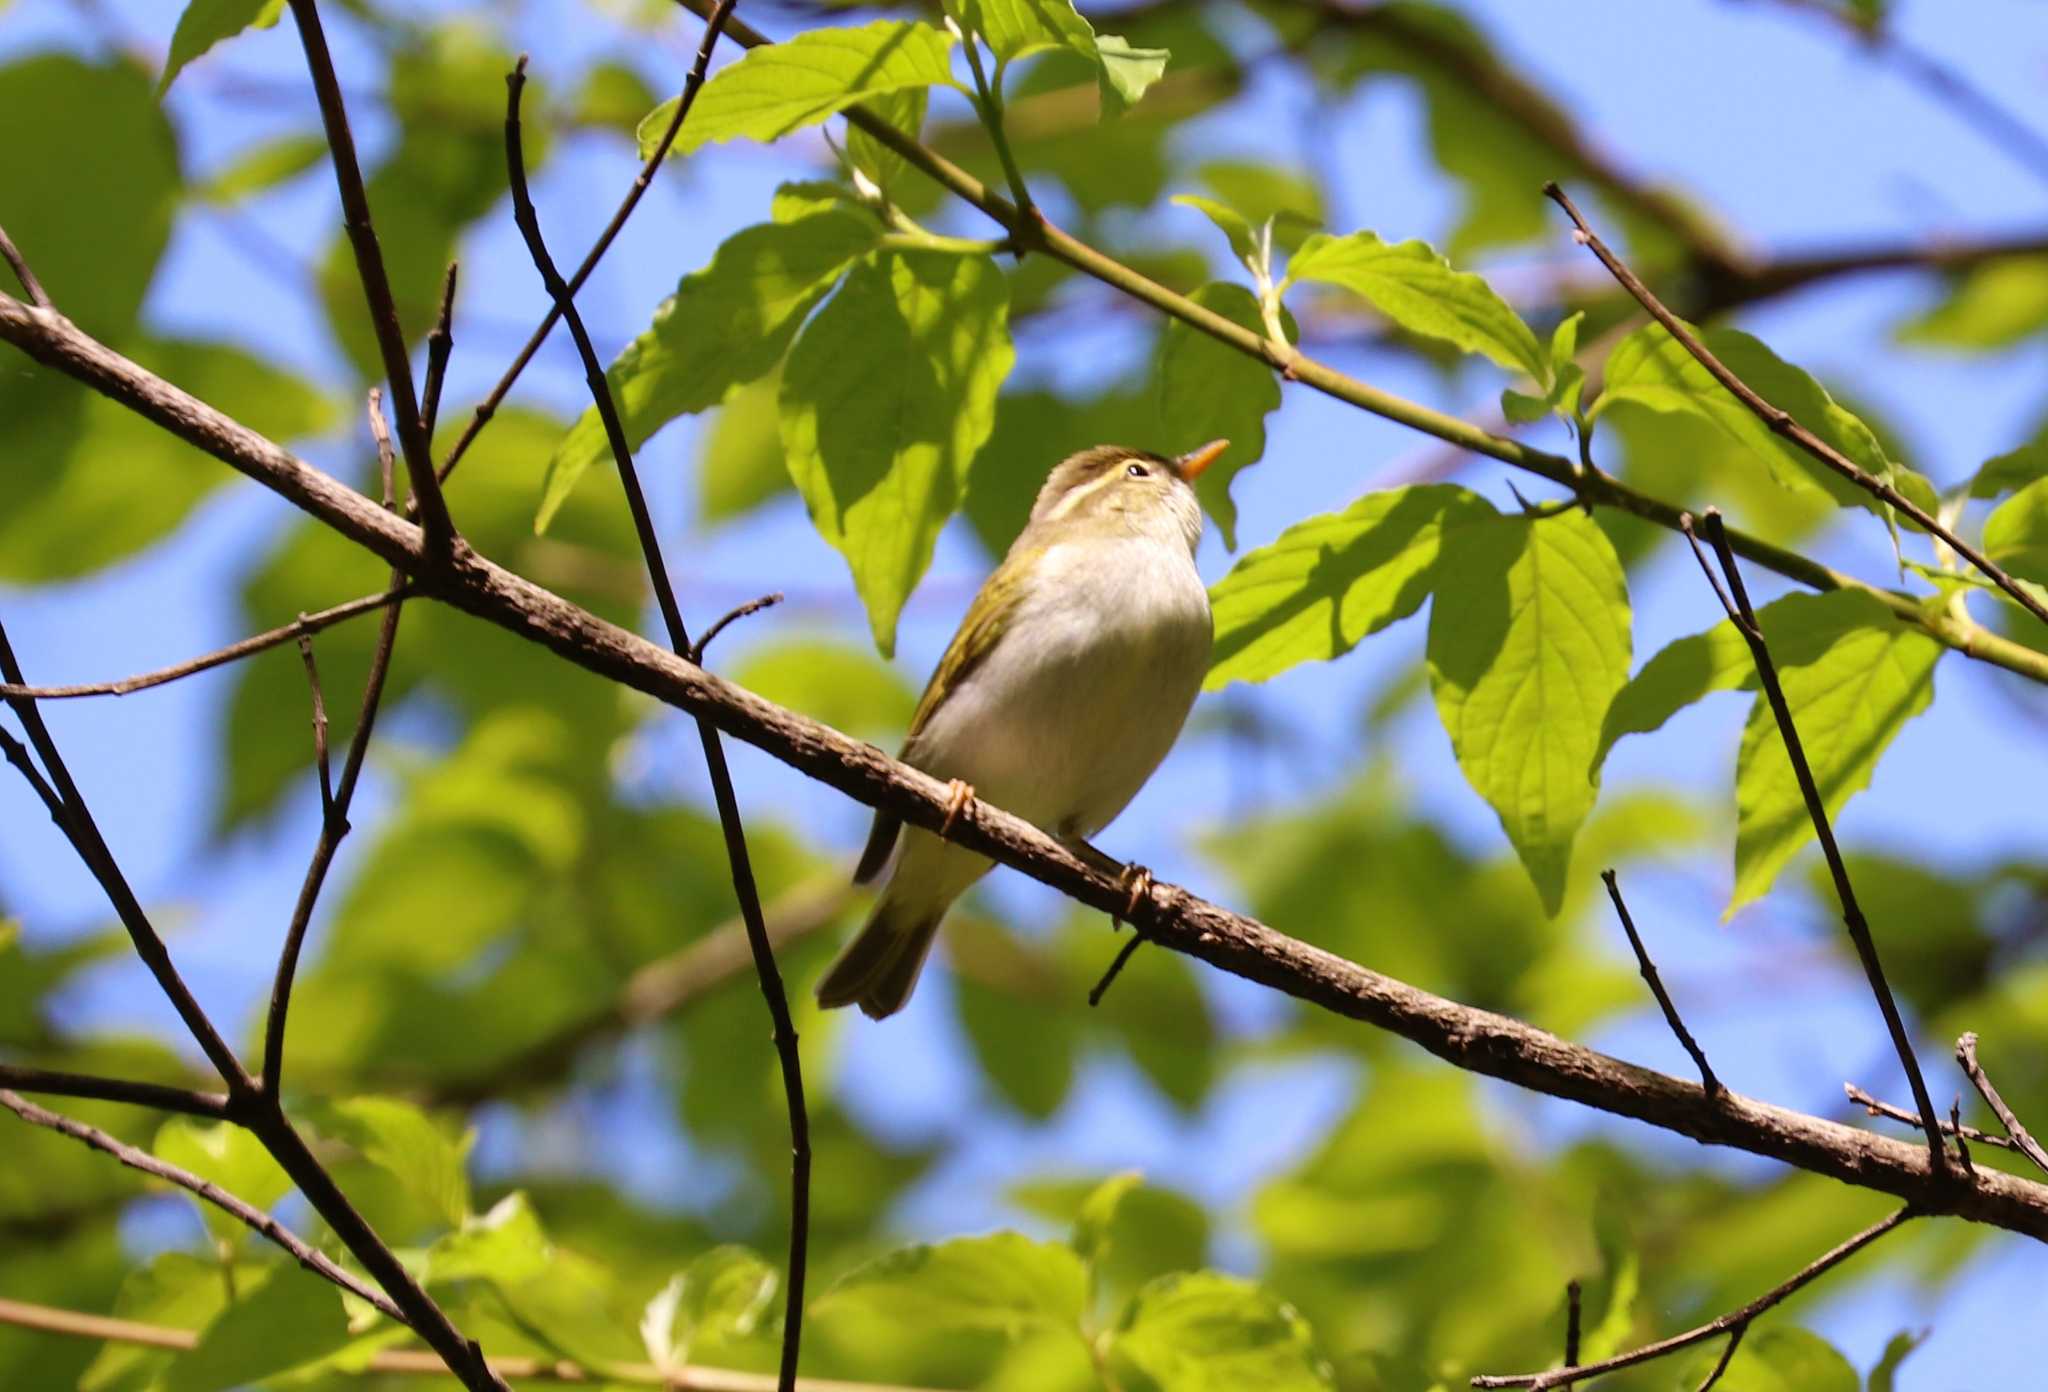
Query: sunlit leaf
<point x="205" y="23"/>
<point x="1780" y="1358"/>
<point x="885" y="398"/>
<point x="1528" y="643"/>
<point x="1896" y="1350"/>
<point x="778" y="88"/>
<point x="400" y="1138"/>
<point x="1994" y="305"/>
<point x="1417" y="290"/>
<point x="263" y="167"/>
<point x="2016" y="533"/>
<point x="1128" y="72"/>
<point x="1206" y="1332"/>
<point x="231" y="1158"/>
<point x="1004" y="1283"/>
<point x="1329" y="582"/>
<point x="291" y="1320"/>
<point x="505" y="1244"/>
<point x="726" y="325"/>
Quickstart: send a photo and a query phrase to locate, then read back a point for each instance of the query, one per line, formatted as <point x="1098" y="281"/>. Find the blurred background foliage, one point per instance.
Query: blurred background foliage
<point x="527" y="1035"/>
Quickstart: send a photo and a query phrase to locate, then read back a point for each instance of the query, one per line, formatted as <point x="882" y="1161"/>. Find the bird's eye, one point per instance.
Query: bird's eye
<point x="1138" y="471"/>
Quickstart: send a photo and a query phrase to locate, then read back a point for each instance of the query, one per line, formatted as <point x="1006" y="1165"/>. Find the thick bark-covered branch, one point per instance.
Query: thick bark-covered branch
<point x="1477" y="1040"/>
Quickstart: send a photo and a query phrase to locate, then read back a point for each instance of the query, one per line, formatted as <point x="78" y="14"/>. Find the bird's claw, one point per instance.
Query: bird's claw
<point x="1139" y="881"/>
<point x="958" y="795"/>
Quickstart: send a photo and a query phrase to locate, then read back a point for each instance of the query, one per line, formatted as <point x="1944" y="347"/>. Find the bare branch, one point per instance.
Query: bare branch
<point x="1656" y="984"/>
<point x="362" y="235"/>
<point x="30" y="286"/>
<point x="1885" y="1109"/>
<point x="440" y="345"/>
<point x="255" y="1218"/>
<point x="1736" y="604"/>
<point x="319" y="729"/>
<point x="713" y="28"/>
<point x="1477" y="1040"/>
<point x="1734" y="1323"/>
<point x="49" y="1319"/>
<point x="722" y="791"/>
<point x="302" y="627"/>
<point x="2022" y="1141"/>
<point x="1781" y="422"/>
<point x="187" y="1101"/>
<point x="731" y="616"/>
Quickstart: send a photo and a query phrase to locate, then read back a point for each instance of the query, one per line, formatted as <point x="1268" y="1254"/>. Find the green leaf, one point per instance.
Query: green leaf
<point x="1098" y="1211"/>
<point x="885" y="398"/>
<point x="1652" y="369"/>
<point x="1611" y="1335"/>
<point x="1203" y="1331"/>
<point x="231" y="1158"/>
<point x="1209" y="391"/>
<point x="1567" y="379"/>
<point x="1004" y="1283"/>
<point x="1848" y="704"/>
<point x="1799" y="628"/>
<point x="1994" y="305"/>
<point x="2013" y="470"/>
<point x="94" y="243"/>
<point x="206" y="22"/>
<point x="1235" y="227"/>
<point x="506" y="1245"/>
<point x="1896" y="1351"/>
<point x="1127" y="71"/>
<point x="778" y="88"/>
<point x="1780" y="1358"/>
<point x="2016" y="533"/>
<point x="1331" y="581"/>
<point x="1258" y="191"/>
<point x="1014" y="28"/>
<point x="723" y="1294"/>
<point x="905" y="111"/>
<point x="611" y="96"/>
<point x="400" y="1138"/>
<point x="739" y="462"/>
<point x="177" y="1290"/>
<point x="263" y="167"/>
<point x="291" y="1320"/>
<point x="725" y="325"/>
<point x="1417" y="290"/>
<point x="113" y="483"/>
<point x="1528" y="643"/>
<point x="837" y="682"/>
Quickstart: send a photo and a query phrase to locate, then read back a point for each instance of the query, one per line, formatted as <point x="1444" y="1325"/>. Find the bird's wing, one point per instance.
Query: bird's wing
<point x="989" y="618"/>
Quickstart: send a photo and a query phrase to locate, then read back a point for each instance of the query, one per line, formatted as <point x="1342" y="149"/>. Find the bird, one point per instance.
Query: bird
<point x="1064" y="687"/>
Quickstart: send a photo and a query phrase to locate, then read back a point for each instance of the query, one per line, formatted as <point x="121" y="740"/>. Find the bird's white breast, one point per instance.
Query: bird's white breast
<point x="1069" y="714"/>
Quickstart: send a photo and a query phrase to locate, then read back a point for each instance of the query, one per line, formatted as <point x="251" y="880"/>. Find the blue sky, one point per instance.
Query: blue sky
<point x="1762" y="114"/>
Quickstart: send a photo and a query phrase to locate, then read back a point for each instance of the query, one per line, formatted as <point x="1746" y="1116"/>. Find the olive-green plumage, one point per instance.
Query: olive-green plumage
<point x="1064" y="687"/>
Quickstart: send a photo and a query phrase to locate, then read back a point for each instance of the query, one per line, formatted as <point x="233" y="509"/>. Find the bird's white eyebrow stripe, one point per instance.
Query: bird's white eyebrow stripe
<point x="1074" y="497"/>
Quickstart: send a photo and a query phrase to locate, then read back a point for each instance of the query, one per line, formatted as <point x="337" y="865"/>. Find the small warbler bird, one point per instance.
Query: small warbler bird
<point x="1066" y="684"/>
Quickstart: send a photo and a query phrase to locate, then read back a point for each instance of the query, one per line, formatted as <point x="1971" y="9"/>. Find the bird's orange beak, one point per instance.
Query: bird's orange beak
<point x="1196" y="460"/>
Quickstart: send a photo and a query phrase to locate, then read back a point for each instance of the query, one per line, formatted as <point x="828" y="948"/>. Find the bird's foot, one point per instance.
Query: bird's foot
<point x="958" y="795"/>
<point x="1139" y="881"/>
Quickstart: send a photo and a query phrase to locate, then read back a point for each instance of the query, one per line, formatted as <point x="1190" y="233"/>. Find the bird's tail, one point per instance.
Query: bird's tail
<point x="877" y="970"/>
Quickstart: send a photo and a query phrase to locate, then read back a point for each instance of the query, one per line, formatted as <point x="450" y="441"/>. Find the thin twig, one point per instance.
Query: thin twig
<point x="387" y="458"/>
<point x="1876" y="1107"/>
<point x="77" y="822"/>
<point x="714" y="750"/>
<point x="1116" y="966"/>
<point x="302" y="627"/>
<point x="309" y="1257"/>
<point x="2022" y="1140"/>
<point x="1474" y="1040"/>
<point x="413" y="443"/>
<point x="1727" y="1356"/>
<point x="55" y="1083"/>
<point x="1649" y="970"/>
<point x="1574" y="1312"/>
<point x="488" y="407"/>
<point x="1955" y="1126"/>
<point x="691" y="1377"/>
<point x="1735" y="603"/>
<point x="733" y="615"/>
<point x="30" y="286"/>
<point x="440" y="344"/>
<point x="319" y="728"/>
<point x="1724" y="1324"/>
<point x="1782" y="422"/>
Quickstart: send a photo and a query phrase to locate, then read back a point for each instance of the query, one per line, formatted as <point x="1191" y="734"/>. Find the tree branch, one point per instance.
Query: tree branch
<point x="1656" y="984"/>
<point x="488" y="407"/>
<point x="1875" y="1107"/>
<point x="722" y="791"/>
<point x="1473" y="1039"/>
<point x="255" y="1218"/>
<point x="1735" y="601"/>
<point x="362" y="235"/>
<point x="1781" y="422"/>
<point x="2022" y="1141"/>
<point x="49" y="1319"/>
<point x="1735" y="1323"/>
<point x="187" y="1101"/>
